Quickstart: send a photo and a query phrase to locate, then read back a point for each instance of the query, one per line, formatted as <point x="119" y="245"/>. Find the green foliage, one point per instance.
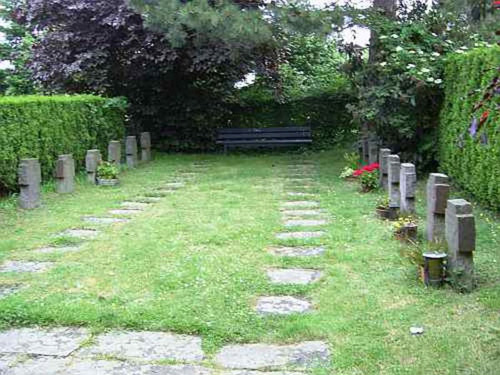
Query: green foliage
<point x="352" y="159"/>
<point x="44" y="127"/>
<point x="107" y="170"/>
<point x="369" y="181"/>
<point x="472" y="161"/>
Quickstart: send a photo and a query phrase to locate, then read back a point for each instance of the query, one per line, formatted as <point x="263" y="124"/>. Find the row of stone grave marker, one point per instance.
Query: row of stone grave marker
<point x="30" y="175"/>
<point x="449" y="221"/>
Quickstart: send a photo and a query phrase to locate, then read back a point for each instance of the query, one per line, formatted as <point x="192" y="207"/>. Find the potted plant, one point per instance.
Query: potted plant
<point x="384" y="211"/>
<point x="107" y="174"/>
<point x="406" y="228"/>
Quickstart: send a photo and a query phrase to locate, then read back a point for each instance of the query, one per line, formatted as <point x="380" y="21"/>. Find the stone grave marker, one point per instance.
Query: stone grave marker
<point x="115" y="152"/>
<point x="393" y="168"/>
<point x="373" y="150"/>
<point x="30" y="178"/>
<point x="131" y="151"/>
<point x="92" y="160"/>
<point x="65" y="174"/>
<point x="146" y="146"/>
<point x="408" y="188"/>
<point x="437" y="197"/>
<point x="461" y="239"/>
<point x="384" y="167"/>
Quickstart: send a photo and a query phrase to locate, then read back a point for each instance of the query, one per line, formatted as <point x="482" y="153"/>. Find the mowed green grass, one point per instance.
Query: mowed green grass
<point x="195" y="263"/>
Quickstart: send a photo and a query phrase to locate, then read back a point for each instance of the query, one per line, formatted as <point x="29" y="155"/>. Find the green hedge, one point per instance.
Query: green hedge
<point x="44" y="127"/>
<point x="326" y="114"/>
<point x="473" y="163"/>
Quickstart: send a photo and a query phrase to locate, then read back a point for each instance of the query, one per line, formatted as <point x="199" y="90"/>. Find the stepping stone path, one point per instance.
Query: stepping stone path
<point x="125" y="211"/>
<point x="25" y="266"/>
<point x="299" y="235"/>
<point x="5" y="291"/>
<point x="298" y="251"/>
<point x="282" y="305"/>
<point x="80" y="233"/>
<point x="105" y="220"/>
<point x="293" y="276"/>
<point x="263" y="356"/>
<point x="135" y="205"/>
<point x="302" y="212"/>
<point x="151" y="346"/>
<point x="296" y="194"/>
<point x="300" y="204"/>
<point x="305" y="223"/>
<point x="57" y="249"/>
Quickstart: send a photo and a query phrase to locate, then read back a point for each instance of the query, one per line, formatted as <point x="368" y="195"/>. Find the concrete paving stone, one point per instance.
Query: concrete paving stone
<point x="300" y="276"/>
<point x="300" y="204"/>
<point x="252" y="372"/>
<point x="60" y="341"/>
<point x="148" y="199"/>
<point x="305" y="223"/>
<point x="135" y="205"/>
<point x="273" y="357"/>
<point x="57" y="249"/>
<point x="124" y="212"/>
<point x="297" y="251"/>
<point x="282" y="305"/>
<point x="6" y="361"/>
<point x="104" y="220"/>
<point x="303" y="212"/>
<point x="174" y="185"/>
<point x="67" y="366"/>
<point x="299" y="235"/>
<point x="300" y="194"/>
<point x="147" y="346"/>
<point x="7" y="290"/>
<point x="80" y="233"/>
<point x="25" y="266"/>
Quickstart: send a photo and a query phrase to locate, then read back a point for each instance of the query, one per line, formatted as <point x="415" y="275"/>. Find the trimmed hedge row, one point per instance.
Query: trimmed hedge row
<point x="472" y="160"/>
<point x="44" y="127"/>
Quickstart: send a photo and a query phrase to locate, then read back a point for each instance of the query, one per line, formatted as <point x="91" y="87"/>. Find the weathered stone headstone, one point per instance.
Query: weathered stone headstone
<point x="461" y="238"/>
<point x="131" y="151"/>
<point x="115" y="152"/>
<point x="408" y="187"/>
<point x="437" y="197"/>
<point x="384" y="167"/>
<point x="30" y="178"/>
<point x="365" y="146"/>
<point x="92" y="160"/>
<point x="146" y="146"/>
<point x="65" y="174"/>
<point x="393" y="168"/>
<point x="373" y="150"/>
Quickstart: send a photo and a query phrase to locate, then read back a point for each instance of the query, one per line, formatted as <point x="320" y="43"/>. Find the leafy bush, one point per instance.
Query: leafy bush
<point x="470" y="146"/>
<point x="369" y="181"/>
<point x="107" y="170"/>
<point x="44" y="127"/>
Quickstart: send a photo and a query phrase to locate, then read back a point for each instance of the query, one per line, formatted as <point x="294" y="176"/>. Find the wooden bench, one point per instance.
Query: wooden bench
<point x="264" y="137"/>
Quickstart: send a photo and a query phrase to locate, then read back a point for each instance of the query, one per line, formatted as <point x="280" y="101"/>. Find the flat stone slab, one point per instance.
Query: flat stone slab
<point x="298" y="251"/>
<point x="56" y="249"/>
<point x="303" y="212"/>
<point x="148" y="199"/>
<point x="282" y="305"/>
<point x="66" y="366"/>
<point x="252" y="372"/>
<point x="305" y="223"/>
<point x="135" y="205"/>
<point x="299" y="276"/>
<point x="174" y="185"/>
<point x="300" y="204"/>
<point x="120" y="211"/>
<point x="299" y="235"/>
<point x="299" y="194"/>
<point x="104" y="220"/>
<point x="7" y="290"/>
<point x="37" y="341"/>
<point x="147" y="346"/>
<point x="81" y="233"/>
<point x="25" y="266"/>
<point x="264" y="356"/>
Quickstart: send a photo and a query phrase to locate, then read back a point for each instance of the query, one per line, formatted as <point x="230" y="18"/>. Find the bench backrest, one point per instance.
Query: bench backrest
<point x="282" y="133"/>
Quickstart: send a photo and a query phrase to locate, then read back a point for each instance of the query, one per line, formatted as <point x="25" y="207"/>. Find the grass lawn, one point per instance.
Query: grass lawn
<point x="195" y="263"/>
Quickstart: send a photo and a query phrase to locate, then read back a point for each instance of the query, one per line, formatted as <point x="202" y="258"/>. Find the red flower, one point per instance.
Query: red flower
<point x="357" y="172"/>
<point x="375" y="165"/>
<point x="368" y="168"/>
